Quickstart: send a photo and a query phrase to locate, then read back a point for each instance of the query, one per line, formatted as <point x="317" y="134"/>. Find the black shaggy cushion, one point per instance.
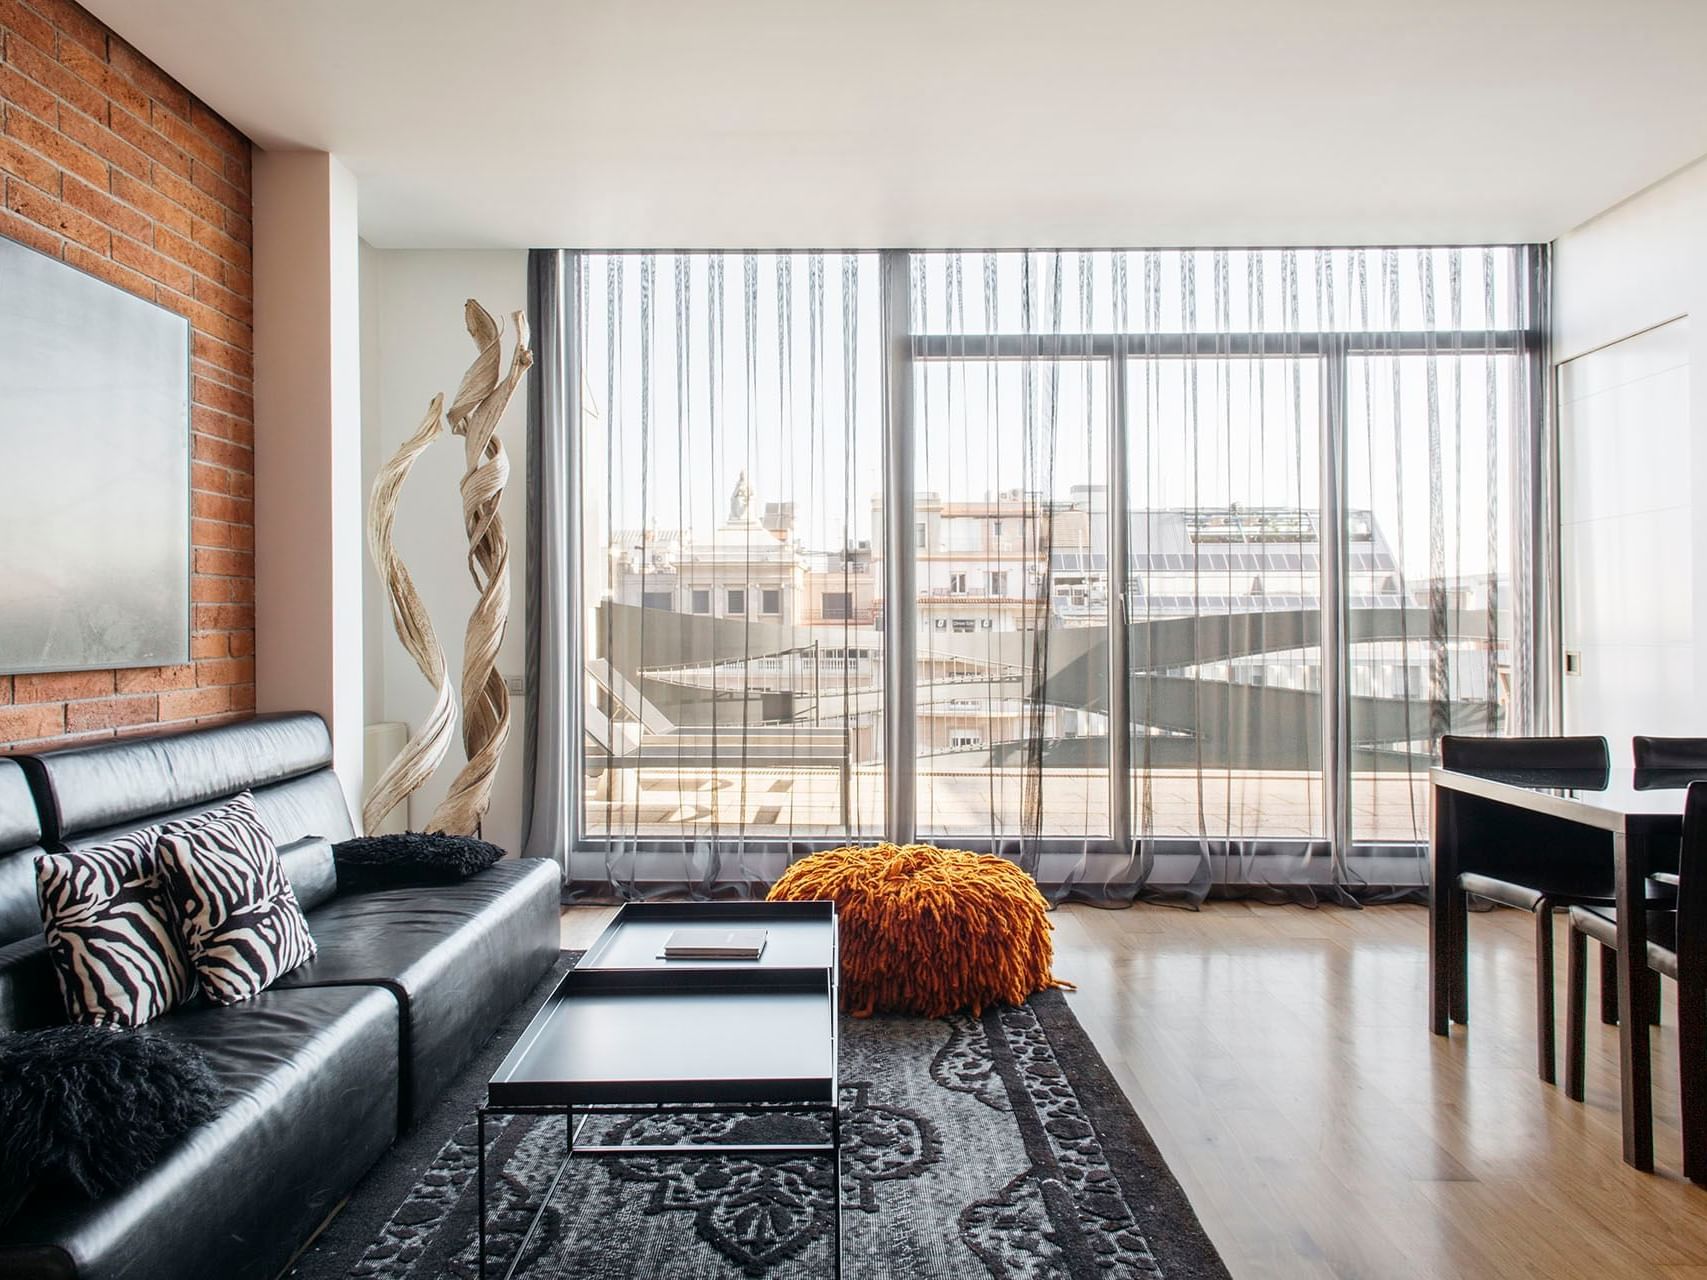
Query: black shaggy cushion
<point x="414" y="857"/>
<point x="85" y="1109"/>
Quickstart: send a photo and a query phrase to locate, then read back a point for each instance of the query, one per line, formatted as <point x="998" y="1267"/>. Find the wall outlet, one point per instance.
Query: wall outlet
<point x="516" y="685"/>
<point x="1573" y="663"/>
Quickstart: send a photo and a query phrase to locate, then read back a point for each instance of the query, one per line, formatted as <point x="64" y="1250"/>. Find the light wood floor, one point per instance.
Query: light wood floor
<point x="1281" y="1059"/>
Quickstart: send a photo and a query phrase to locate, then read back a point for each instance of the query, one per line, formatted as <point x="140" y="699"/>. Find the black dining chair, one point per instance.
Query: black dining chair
<point x="1677" y="949"/>
<point x="1570" y="867"/>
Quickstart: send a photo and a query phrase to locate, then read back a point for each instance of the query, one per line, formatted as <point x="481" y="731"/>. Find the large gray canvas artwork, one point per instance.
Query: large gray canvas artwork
<point x="94" y="472"/>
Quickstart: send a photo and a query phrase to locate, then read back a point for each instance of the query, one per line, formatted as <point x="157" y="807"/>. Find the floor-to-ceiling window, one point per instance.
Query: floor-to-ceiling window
<point x="1203" y="550"/>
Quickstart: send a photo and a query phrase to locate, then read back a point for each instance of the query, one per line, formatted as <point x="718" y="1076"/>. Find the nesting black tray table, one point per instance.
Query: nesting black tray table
<point x="629" y="1033"/>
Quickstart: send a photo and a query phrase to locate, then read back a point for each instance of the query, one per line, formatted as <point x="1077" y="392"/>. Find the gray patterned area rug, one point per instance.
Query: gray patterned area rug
<point x="997" y="1147"/>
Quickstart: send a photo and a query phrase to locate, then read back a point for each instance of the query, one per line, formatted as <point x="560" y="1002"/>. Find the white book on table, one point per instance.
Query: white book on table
<point x="715" y="944"/>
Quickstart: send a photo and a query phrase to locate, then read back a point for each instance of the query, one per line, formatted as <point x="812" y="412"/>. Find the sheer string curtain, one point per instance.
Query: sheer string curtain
<point x="731" y="439"/>
<point x="1209" y="548"/>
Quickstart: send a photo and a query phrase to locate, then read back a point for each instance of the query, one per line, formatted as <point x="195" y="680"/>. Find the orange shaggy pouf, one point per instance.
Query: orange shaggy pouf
<point x="927" y="930"/>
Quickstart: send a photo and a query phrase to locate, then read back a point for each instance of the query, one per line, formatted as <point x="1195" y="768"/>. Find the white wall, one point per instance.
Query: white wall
<point x="1626" y="532"/>
<point x="308" y="623"/>
<point x="1627" y="422"/>
<point x="414" y="345"/>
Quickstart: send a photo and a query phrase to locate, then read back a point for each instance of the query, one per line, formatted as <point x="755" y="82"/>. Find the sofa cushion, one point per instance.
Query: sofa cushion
<point x="112" y="932"/>
<point x="81" y="791"/>
<point x="309" y="867"/>
<point x="457" y="957"/>
<point x="236" y="915"/>
<point x="20" y="841"/>
<point x="309" y="1104"/>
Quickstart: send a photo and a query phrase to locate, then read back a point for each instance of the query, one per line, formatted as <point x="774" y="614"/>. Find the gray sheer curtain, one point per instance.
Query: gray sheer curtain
<point x="551" y="706"/>
<point x="1208" y="548"/>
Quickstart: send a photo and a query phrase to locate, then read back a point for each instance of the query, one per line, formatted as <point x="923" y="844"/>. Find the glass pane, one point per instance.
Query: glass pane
<point x="732" y="429"/>
<point x="1433" y="491"/>
<point x="1012" y="565"/>
<point x="1223" y="597"/>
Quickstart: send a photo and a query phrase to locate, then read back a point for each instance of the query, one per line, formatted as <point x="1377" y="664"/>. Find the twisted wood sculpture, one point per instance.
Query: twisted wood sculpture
<point x="426" y="748"/>
<point x="474" y="412"/>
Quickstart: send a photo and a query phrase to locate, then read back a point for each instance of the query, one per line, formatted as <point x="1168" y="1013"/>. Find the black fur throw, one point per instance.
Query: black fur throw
<point x="414" y="857"/>
<point x="90" y="1109"/>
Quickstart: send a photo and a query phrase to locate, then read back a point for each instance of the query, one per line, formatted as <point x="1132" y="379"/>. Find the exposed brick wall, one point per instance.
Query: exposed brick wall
<point x="115" y="168"/>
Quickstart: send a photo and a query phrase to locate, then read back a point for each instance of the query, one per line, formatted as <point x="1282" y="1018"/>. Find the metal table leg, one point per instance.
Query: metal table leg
<point x="836" y="1187"/>
<point x="480" y="1114"/>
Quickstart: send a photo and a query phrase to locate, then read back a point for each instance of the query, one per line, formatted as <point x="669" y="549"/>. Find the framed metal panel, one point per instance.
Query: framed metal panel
<point x="94" y="472"/>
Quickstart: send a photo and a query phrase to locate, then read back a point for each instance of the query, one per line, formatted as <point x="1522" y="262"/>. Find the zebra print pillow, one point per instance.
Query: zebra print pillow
<point x="111" y="933"/>
<point x="237" y="915"/>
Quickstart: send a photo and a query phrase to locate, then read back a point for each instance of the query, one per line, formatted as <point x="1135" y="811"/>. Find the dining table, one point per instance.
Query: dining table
<point x="1483" y="825"/>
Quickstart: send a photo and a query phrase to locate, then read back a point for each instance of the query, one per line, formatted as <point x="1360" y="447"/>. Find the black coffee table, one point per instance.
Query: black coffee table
<point x="628" y="1033"/>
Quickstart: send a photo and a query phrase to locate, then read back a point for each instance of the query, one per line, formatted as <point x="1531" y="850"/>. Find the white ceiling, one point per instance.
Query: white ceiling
<point x="872" y="123"/>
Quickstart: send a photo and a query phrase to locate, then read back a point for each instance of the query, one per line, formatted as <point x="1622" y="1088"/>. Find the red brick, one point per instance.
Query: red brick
<point x="53" y="145"/>
<point x="222" y="452"/>
<point x="224" y="616"/>
<point x="145" y="199"/>
<point x="29" y="723"/>
<point x="208" y="644"/>
<point x="104" y="268"/>
<point x="103" y="142"/>
<point x="61" y="686"/>
<point x="216" y="533"/>
<point x="5" y="690"/>
<point x="113" y="214"/>
<point x="206" y="589"/>
<point x="192" y="255"/>
<point x="213" y="395"/>
<point x="58" y="79"/>
<point x="94" y="69"/>
<point x="74" y="21"/>
<point x="27" y="23"/>
<point x="37" y="237"/>
<point x="227" y="249"/>
<point x="224" y="301"/>
<point x="19" y="92"/>
<point x="216" y="131"/>
<point x="238" y="564"/>
<point x="110" y="713"/>
<point x="157" y="267"/>
<point x="212" y="181"/>
<point x="219" y="506"/>
<point x="242" y="643"/>
<point x="27" y="165"/>
<point x="145" y="139"/>
<point x="226" y="671"/>
<point x="224" y="357"/>
<point x="157" y="679"/>
<point x="243" y="697"/>
<point x="190" y="196"/>
<point x="57" y="216"/>
<point x="154" y="82"/>
<point x="184" y="703"/>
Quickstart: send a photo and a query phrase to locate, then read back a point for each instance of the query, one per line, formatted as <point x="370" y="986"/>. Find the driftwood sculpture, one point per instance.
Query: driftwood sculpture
<point x="474" y="412"/>
<point x="426" y="748"/>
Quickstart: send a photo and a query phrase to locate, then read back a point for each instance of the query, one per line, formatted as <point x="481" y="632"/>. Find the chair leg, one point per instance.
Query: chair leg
<point x="1609" y="986"/>
<point x="1656" y="992"/>
<point x="1458" y="915"/>
<point x="1544" y="1013"/>
<point x="1576" y="1013"/>
<point x="1692" y="1075"/>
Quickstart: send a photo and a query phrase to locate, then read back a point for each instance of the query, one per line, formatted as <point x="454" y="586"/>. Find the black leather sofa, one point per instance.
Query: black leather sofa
<point x="323" y="1070"/>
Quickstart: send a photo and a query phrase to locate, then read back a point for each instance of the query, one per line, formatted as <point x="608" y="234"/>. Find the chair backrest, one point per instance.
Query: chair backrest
<point x="1667" y="763"/>
<point x="1692" y="884"/>
<point x="1583" y="764"/>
